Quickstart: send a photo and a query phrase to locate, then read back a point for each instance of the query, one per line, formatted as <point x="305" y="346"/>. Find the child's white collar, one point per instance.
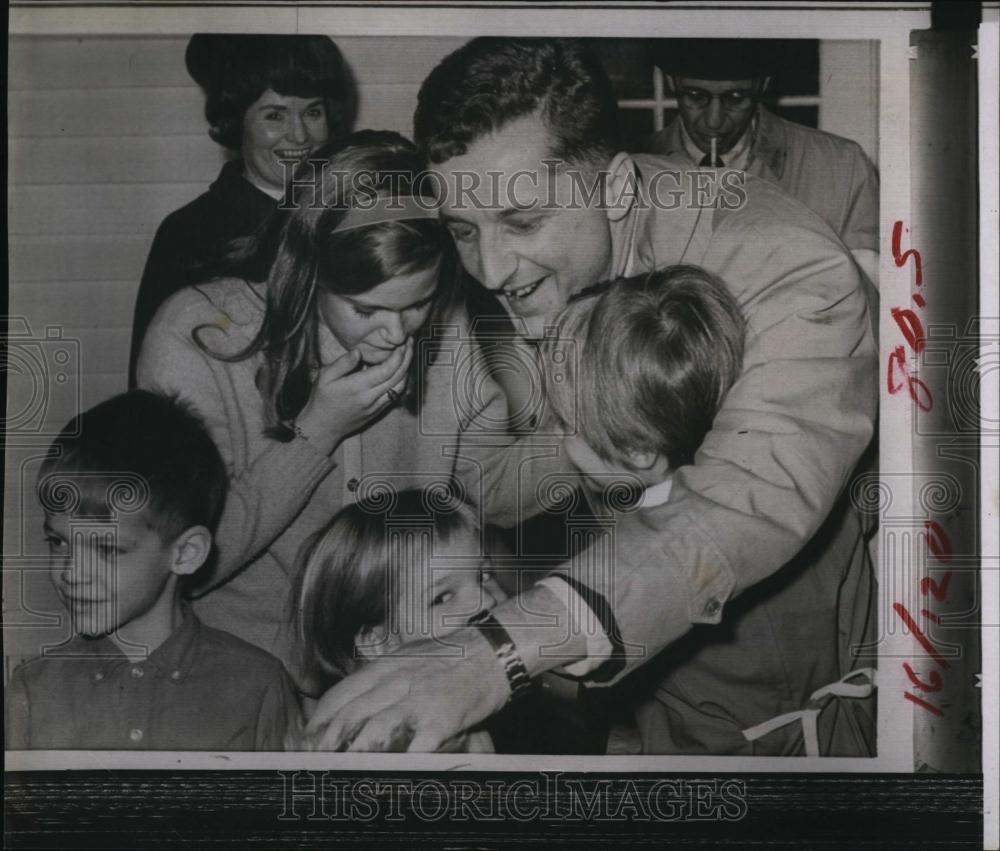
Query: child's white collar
<point x="657" y="494"/>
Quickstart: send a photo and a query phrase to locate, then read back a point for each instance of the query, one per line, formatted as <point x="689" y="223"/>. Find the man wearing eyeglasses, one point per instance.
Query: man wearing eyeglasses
<point x="719" y="84"/>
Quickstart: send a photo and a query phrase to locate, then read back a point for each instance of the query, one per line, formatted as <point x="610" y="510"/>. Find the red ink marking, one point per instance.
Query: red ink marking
<point x="911" y="326"/>
<point x="919" y="392"/>
<point x="938" y="541"/>
<point x="919" y="299"/>
<point x="938" y="590"/>
<point x="935" y="683"/>
<point x="918" y="634"/>
<point x="927" y="613"/>
<point x="930" y="707"/>
<point x="901" y="258"/>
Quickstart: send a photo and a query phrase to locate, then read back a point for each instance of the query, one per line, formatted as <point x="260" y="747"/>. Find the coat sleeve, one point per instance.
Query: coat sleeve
<point x="777" y="458"/>
<point x="266" y="491"/>
<point x="861" y="225"/>
<point x="514" y="476"/>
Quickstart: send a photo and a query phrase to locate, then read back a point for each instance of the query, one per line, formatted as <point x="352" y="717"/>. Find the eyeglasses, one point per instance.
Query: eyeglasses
<point x="732" y="101"/>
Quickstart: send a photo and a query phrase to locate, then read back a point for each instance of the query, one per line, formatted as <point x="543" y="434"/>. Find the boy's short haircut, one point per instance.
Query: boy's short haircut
<point x="130" y="444"/>
<point x="646" y="362"/>
<point x="490" y="82"/>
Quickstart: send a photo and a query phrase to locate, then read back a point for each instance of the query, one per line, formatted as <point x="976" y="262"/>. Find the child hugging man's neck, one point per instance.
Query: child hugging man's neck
<point x="132" y="491"/>
<point x="637" y="371"/>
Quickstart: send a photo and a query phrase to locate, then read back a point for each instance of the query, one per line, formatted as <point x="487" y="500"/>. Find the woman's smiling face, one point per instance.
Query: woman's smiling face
<point x="280" y="127"/>
<point x="379" y="321"/>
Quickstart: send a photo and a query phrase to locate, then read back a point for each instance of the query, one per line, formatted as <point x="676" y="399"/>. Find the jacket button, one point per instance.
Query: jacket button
<point x="135" y="735"/>
<point x="352" y="485"/>
<point x="712" y="607"/>
<point x="137" y="673"/>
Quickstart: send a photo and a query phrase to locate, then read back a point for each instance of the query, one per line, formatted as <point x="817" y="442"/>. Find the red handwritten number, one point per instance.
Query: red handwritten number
<point x="901" y="258"/>
<point x="911" y="326"/>
<point x="938" y="544"/>
<point x="899" y="375"/>
<point x="938" y="541"/>
<point x="918" y="634"/>
<point x="934" y="677"/>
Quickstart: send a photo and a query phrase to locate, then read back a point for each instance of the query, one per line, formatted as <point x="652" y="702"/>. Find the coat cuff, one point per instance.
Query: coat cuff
<point x="589" y="611"/>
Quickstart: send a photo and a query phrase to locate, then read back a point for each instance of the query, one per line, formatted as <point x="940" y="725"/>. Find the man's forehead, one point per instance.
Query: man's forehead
<point x="717" y="85"/>
<point x="503" y="175"/>
<point x="523" y="143"/>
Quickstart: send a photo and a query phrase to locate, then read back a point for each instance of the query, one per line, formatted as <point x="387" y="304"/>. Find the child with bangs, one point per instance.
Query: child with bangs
<point x="132" y="491"/>
<point x="403" y="565"/>
<point x="388" y="570"/>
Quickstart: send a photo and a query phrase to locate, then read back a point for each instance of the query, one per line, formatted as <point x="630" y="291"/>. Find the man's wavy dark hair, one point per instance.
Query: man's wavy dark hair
<point x="490" y="82"/>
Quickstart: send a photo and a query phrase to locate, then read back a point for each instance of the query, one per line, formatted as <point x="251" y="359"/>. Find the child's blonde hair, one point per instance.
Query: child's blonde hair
<point x="643" y="363"/>
<point x="348" y="574"/>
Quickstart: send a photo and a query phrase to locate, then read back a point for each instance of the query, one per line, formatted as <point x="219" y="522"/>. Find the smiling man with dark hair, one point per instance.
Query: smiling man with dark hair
<point x="756" y="560"/>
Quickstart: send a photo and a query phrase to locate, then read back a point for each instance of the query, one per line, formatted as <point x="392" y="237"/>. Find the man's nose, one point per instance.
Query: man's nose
<point x="497" y="263"/>
<point x="714" y="114"/>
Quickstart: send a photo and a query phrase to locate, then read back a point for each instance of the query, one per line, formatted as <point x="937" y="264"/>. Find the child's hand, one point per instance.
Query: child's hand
<point x="345" y="398"/>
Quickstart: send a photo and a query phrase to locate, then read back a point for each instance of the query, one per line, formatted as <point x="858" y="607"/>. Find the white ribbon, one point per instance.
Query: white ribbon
<point x="808" y="716"/>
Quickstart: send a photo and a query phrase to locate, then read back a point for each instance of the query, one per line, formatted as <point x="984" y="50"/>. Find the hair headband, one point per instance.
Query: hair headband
<point x="386" y="208"/>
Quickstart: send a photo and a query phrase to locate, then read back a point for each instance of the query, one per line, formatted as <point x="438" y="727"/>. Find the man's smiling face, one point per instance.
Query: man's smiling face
<point x="511" y="236"/>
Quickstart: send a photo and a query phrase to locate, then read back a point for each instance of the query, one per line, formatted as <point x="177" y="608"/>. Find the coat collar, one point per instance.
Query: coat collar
<point x="768" y="154"/>
<point x="240" y="197"/>
<point x="657" y="494"/>
<point x="770" y="148"/>
<point x="666" y="224"/>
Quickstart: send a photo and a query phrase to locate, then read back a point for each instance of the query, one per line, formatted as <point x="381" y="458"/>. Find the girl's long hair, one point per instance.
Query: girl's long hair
<point x="348" y="574"/>
<point x="305" y="257"/>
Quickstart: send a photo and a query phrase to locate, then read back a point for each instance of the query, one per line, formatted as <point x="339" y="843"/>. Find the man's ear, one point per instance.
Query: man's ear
<point x="621" y="187"/>
<point x="191" y="549"/>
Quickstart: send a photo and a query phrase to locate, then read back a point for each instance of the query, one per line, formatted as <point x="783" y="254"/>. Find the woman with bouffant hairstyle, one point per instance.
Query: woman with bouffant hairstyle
<point x="271" y="101"/>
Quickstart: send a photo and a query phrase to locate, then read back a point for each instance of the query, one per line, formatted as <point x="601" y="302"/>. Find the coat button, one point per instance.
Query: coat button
<point x="175" y="675"/>
<point x="137" y="673"/>
<point x="712" y="607"/>
<point x="352" y="485"/>
<point x="135" y="735"/>
<point x="98" y="676"/>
